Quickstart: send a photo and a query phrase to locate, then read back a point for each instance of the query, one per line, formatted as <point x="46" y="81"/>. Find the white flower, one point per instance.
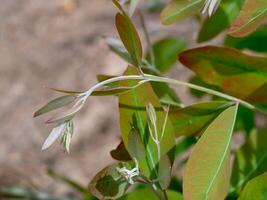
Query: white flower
<point x="211" y="6"/>
<point x="129" y="174"/>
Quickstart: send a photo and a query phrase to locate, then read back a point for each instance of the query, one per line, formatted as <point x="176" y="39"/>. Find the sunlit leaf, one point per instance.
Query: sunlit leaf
<point x="129" y="36"/>
<point x="147" y="194"/>
<point x="250" y="160"/>
<point x="207" y="172"/>
<point x="252" y="14"/>
<point x="180" y="9"/>
<point x="108" y="183"/>
<point x="238" y="74"/>
<point x="192" y="120"/>
<point x="256" y="41"/>
<point x="220" y="20"/>
<point x="120" y="153"/>
<point x="166" y="51"/>
<point x="133" y="114"/>
<point x="55" y="104"/>
<point x="256" y="189"/>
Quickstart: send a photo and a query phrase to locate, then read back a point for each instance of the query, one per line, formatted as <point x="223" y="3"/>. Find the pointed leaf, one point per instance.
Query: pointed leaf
<point x="180" y="9"/>
<point x="207" y="172"/>
<point x="238" y="74"/>
<point x="250" y="17"/>
<point x="129" y="36"/>
<point x="135" y="146"/>
<point x="55" y="104"/>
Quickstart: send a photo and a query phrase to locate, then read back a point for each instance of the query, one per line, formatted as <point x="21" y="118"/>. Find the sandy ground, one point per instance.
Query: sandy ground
<point x="56" y="44"/>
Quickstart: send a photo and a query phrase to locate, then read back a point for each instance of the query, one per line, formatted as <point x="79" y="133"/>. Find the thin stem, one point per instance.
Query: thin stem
<point x="149" y="46"/>
<point x="153" y="78"/>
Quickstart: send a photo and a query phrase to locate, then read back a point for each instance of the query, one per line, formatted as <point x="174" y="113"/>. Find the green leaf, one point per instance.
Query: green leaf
<point x="250" y="17"/>
<point x="55" y="104"/>
<point x="256" y="41"/>
<point x="207" y="172"/>
<point x="180" y="9"/>
<point x="220" y="20"/>
<point x="250" y="160"/>
<point x="192" y="120"/>
<point x="166" y="51"/>
<point x="241" y="75"/>
<point x="147" y="194"/>
<point x="133" y="114"/>
<point x="135" y="146"/>
<point x="256" y="189"/>
<point x="120" y="153"/>
<point x="108" y="183"/>
<point x="129" y="36"/>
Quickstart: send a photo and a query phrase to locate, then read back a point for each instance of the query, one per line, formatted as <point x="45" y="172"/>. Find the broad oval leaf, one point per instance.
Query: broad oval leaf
<point x="193" y="119"/>
<point x="250" y="17"/>
<point x="147" y="194"/>
<point x="133" y="114"/>
<point x="180" y="9"/>
<point x="220" y="20"/>
<point x="238" y="74"/>
<point x="250" y="160"/>
<point x="108" y="183"/>
<point x="55" y="104"/>
<point x="207" y="172"/>
<point x="256" y="189"/>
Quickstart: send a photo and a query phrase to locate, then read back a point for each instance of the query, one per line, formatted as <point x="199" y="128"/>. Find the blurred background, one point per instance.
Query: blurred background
<point x="60" y="44"/>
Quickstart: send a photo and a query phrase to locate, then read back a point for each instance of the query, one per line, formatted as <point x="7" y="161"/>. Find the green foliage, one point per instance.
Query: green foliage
<point x="155" y="126"/>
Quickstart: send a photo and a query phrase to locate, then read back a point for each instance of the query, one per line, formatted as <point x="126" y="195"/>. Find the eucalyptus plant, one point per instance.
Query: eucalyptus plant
<point x="157" y="128"/>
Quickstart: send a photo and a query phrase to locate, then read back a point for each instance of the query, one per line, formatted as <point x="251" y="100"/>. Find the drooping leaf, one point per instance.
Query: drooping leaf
<point x="256" y="189"/>
<point x="120" y="153"/>
<point x="166" y="51"/>
<point x="192" y="120"/>
<point x="108" y="183"/>
<point x="147" y="194"/>
<point x="129" y="36"/>
<point x="220" y="20"/>
<point x="180" y="9"/>
<point x="252" y="14"/>
<point x="55" y="104"/>
<point x="207" y="172"/>
<point x="256" y="41"/>
<point x="133" y="114"/>
<point x="238" y="74"/>
<point x="250" y="160"/>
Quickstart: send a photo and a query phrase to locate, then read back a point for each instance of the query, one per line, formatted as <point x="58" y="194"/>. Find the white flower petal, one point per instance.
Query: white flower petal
<point x="55" y="133"/>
